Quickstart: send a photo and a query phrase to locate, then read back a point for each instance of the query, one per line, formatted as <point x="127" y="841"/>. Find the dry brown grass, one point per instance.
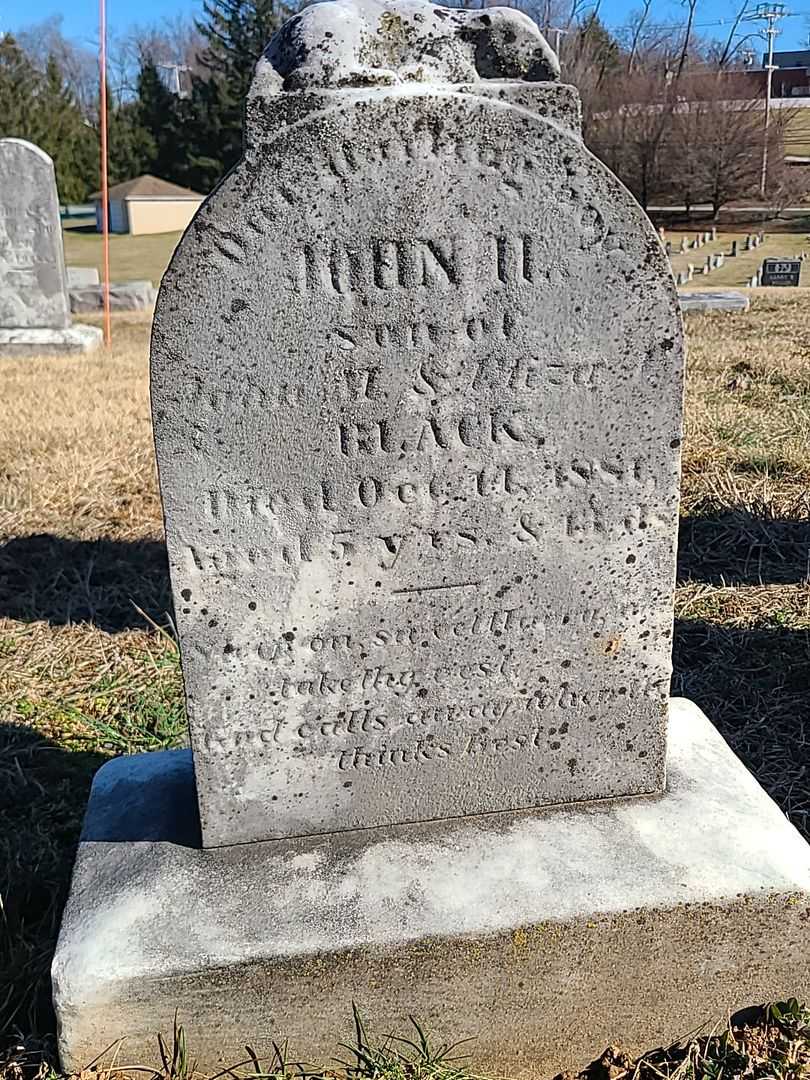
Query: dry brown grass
<point x="76" y="452"/>
<point x="84" y="672"/>
<point x="742" y="647"/>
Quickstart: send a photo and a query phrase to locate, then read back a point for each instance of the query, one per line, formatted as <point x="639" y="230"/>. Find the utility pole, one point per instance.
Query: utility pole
<point x="771" y="13"/>
<point x="174" y="84"/>
<point x="556" y="31"/>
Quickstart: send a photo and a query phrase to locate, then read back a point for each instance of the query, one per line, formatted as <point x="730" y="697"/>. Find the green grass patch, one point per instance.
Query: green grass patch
<point x="131" y="257"/>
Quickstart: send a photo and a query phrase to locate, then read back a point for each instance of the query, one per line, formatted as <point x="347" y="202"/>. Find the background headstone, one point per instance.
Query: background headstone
<point x="33" y="284"/>
<point x="79" y="277"/>
<point x="34" y="303"/>
<point x="418" y="456"/>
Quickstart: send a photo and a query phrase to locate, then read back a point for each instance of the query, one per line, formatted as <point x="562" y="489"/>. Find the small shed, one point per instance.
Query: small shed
<point x="148" y="204"/>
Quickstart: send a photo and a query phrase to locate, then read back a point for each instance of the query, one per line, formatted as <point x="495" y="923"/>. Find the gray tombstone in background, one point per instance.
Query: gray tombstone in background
<point x="416" y="384"/>
<point x="418" y="455"/>
<point x="34" y="305"/>
<point x="80" y="277"/>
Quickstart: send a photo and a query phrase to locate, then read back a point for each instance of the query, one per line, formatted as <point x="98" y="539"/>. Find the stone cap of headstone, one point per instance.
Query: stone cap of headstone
<point x="364" y="43"/>
<point x="337" y="51"/>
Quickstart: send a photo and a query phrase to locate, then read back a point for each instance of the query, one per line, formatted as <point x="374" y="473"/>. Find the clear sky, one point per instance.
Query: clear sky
<point x="80" y="17"/>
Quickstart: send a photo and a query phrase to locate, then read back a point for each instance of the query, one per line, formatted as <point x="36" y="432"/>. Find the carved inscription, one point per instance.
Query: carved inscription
<point x="430" y="264"/>
<point x="420" y="448"/>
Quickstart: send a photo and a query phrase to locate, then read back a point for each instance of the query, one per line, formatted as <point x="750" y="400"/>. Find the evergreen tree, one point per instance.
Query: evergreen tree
<point x="62" y="132"/>
<point x="236" y="33"/>
<point x="37" y="106"/>
<point x="159" y="116"/>
<point x="131" y="149"/>
<point x="600" y="46"/>
<point x="19" y="83"/>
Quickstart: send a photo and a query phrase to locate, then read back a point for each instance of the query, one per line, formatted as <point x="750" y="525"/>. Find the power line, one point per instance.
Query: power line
<point x="696" y="26"/>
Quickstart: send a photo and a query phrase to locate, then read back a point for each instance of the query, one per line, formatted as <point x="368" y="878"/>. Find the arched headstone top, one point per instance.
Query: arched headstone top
<point x="339" y="44"/>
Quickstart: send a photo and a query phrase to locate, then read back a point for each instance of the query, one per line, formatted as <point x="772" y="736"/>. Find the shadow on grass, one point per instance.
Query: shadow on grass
<point x="754" y="685"/>
<point x="103" y="582"/>
<point x="124" y="584"/>
<point x="736" y="547"/>
<point x="43" y="794"/>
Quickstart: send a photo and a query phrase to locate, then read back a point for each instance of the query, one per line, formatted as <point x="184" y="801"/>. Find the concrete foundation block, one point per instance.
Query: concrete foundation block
<point x="41" y="341"/>
<point x="124" y="296"/>
<point x="546" y="935"/>
<point x="725" y="300"/>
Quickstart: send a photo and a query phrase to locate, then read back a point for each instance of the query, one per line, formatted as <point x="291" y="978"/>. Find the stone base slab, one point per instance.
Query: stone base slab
<point x="544" y="935"/>
<point x="124" y="296"/>
<point x="45" y="341"/>
<point x="717" y="300"/>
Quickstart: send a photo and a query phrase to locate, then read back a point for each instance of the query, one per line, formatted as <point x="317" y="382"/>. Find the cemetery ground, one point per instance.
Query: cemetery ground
<point x="89" y="667"/>
<point x="737" y="272"/>
<point x="131" y="257"/>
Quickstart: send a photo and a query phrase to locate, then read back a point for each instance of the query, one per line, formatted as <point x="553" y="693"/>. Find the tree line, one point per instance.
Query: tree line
<point x="186" y="129"/>
<point x="676" y="117"/>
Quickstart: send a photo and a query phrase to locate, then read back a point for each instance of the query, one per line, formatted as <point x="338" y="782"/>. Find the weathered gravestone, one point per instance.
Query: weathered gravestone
<point x="416" y="378"/>
<point x="420" y="473"/>
<point x="34" y="307"/>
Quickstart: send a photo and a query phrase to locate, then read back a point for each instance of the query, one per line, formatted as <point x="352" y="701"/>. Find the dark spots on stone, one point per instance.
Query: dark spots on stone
<point x="238" y="305"/>
<point x="422" y="693"/>
<point x="675" y="443"/>
<point x="228" y="649"/>
<point x="212" y="623"/>
<point x="572" y="765"/>
<point x="630" y="559"/>
<point x="186" y="594"/>
<point x="186" y="610"/>
<point x="289" y="636"/>
<point x="252" y="605"/>
<point x="555" y="745"/>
